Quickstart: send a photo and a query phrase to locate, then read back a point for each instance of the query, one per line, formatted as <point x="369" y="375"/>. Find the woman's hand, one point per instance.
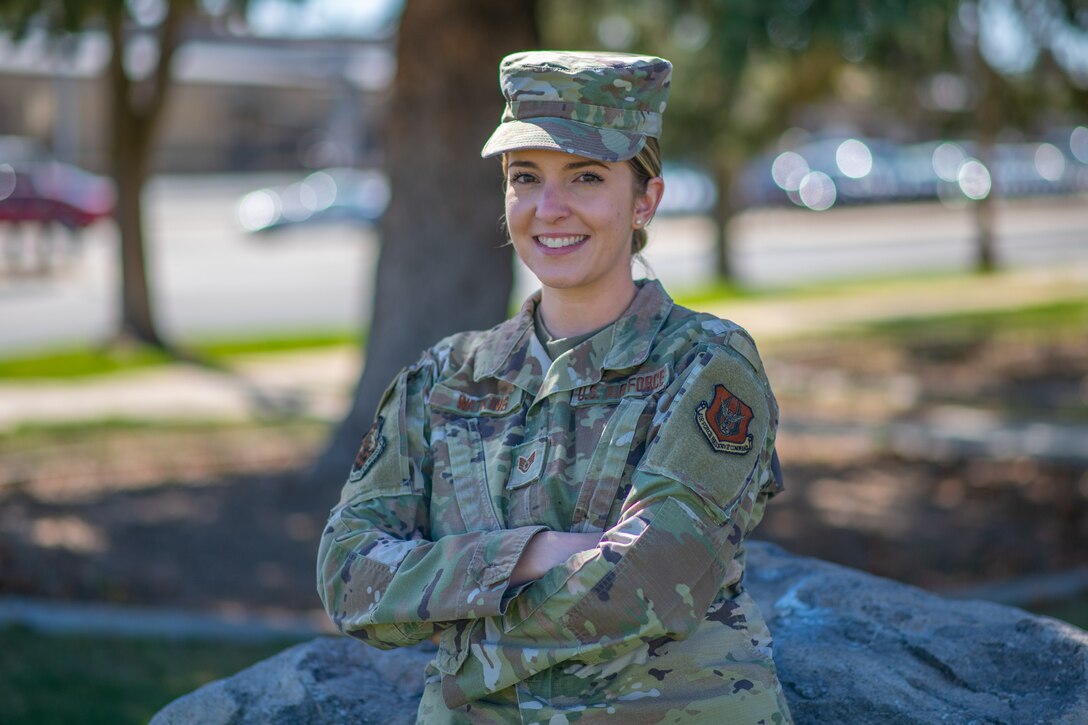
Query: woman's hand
<point x="548" y="549"/>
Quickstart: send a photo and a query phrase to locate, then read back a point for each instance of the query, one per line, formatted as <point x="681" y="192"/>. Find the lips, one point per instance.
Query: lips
<point x="560" y="242"/>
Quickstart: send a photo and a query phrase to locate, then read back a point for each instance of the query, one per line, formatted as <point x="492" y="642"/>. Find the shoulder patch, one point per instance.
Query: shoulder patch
<point x="724" y="420"/>
<point x="712" y="428"/>
<point x="372" y="446"/>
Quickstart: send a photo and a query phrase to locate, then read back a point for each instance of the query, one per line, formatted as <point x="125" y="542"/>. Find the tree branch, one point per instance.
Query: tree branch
<point x="169" y="41"/>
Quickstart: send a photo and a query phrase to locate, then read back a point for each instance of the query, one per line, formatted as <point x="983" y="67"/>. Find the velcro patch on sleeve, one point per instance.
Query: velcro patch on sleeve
<point x="724" y="420"/>
<point x="713" y="429"/>
<point x="372" y="446"/>
<point x="380" y="467"/>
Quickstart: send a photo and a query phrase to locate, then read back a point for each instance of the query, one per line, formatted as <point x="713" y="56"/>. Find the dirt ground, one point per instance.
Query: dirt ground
<point x="217" y="518"/>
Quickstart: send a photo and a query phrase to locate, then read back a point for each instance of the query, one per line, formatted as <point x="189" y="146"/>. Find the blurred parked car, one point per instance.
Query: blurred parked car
<point x="844" y="170"/>
<point x="329" y="195"/>
<point x="688" y="190"/>
<point x="36" y="188"/>
<point x="823" y="172"/>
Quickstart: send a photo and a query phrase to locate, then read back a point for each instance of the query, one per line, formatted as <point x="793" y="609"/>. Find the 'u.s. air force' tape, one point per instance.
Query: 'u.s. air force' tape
<point x="613" y="391"/>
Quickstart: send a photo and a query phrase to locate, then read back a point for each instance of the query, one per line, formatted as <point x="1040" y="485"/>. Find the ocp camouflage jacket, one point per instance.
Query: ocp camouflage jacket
<point x="657" y="431"/>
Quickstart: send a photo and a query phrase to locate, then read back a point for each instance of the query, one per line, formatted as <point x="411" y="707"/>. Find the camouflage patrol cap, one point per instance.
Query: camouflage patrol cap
<point x="598" y="105"/>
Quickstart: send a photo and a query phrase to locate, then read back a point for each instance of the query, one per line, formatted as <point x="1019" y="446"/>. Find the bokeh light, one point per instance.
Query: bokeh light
<point x="258" y="209"/>
<point x="1078" y="144"/>
<point x="1049" y="162"/>
<point x="788" y="169"/>
<point x="854" y="159"/>
<point x="817" y="191"/>
<point x="974" y="179"/>
<point x="947" y="160"/>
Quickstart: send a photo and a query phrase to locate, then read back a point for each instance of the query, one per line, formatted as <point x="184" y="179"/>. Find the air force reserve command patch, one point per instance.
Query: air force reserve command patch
<point x="725" y="420"/>
<point x="372" y="446"/>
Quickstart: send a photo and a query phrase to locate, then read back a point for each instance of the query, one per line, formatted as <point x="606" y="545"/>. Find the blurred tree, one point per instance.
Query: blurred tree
<point x="749" y="70"/>
<point x="444" y="266"/>
<point x="745" y="69"/>
<point x="144" y="36"/>
<point x="982" y="69"/>
<point x="1023" y="61"/>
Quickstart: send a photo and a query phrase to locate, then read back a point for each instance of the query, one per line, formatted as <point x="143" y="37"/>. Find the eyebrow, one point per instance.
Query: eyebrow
<point x="569" y="167"/>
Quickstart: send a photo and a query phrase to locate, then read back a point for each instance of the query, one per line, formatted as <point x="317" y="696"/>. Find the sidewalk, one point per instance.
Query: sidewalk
<point x="111" y="620"/>
<point x="788" y="317"/>
<point x="312" y="384"/>
<point x="318" y="383"/>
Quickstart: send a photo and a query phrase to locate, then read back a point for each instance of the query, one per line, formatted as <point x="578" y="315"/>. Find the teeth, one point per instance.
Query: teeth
<point x="560" y="242"/>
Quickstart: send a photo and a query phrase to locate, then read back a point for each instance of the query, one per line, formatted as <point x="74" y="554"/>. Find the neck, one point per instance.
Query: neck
<point x="569" y="313"/>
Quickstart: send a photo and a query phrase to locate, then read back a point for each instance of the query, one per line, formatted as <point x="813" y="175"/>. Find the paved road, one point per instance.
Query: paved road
<point x="212" y="279"/>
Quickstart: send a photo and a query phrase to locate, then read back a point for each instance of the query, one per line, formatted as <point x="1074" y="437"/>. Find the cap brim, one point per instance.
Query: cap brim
<point x="562" y="134"/>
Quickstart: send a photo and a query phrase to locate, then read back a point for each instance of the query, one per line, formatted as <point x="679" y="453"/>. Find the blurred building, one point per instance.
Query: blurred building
<point x="239" y="103"/>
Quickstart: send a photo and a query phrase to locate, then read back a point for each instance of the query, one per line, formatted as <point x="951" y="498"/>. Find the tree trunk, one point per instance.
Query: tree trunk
<point x="723" y="214"/>
<point x="443" y="265"/>
<point x="985" y="243"/>
<point x="987" y="122"/>
<point x="135" y="110"/>
<point x="137" y="318"/>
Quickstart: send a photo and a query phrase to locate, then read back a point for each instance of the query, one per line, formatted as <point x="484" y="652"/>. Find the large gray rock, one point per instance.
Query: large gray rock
<point x="851" y="648"/>
<point x="855" y="648"/>
<point x="327" y="680"/>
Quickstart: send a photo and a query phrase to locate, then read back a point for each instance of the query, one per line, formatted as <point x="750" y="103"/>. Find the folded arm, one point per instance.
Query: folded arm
<point x="655" y="573"/>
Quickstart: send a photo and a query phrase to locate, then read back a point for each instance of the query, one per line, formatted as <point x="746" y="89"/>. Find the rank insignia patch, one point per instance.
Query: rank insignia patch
<point x="526" y="462"/>
<point x="372" y="446"/>
<point x="725" y="420"/>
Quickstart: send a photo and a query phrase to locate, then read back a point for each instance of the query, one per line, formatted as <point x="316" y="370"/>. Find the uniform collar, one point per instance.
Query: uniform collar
<point x="512" y="352"/>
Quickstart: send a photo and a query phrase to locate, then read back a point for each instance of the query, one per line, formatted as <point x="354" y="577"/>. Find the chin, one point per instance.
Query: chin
<point x="564" y="283"/>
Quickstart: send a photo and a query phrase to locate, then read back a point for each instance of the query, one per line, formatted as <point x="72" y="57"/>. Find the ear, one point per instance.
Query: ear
<point x="646" y="202"/>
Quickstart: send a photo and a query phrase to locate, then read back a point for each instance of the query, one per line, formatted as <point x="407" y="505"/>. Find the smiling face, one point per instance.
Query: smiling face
<point x="571" y="218"/>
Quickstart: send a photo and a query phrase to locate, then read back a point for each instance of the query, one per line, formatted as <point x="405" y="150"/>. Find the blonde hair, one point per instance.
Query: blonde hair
<point x="645" y="165"/>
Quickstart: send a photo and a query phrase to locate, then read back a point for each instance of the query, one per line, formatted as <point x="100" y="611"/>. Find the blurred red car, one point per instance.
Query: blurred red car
<point x="37" y="188"/>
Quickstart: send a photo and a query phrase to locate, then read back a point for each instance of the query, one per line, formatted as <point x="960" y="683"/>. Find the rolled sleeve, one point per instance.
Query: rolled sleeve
<point x="379" y="575"/>
<point x="383" y="580"/>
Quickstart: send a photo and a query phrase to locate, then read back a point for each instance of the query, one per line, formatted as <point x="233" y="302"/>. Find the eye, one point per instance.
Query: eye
<point x="590" y="177"/>
<point x="522" y="177"/>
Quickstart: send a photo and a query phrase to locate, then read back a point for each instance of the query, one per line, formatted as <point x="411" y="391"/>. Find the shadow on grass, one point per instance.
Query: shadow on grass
<point x="46" y="679"/>
<point x="222" y="543"/>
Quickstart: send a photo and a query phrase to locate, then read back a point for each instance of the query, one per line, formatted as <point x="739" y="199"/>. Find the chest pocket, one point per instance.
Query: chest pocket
<point x="467" y="473"/>
<point x="526" y="501"/>
<point x="463" y="427"/>
<point x="604" y="476"/>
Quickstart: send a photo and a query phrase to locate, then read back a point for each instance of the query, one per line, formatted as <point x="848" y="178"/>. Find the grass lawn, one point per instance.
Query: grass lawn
<point x="1027" y="323"/>
<point x="1075" y="611"/>
<point x="47" y="679"/>
<point x="85" y="361"/>
<point x="89" y="360"/>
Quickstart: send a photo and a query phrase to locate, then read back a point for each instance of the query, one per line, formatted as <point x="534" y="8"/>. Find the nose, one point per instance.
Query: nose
<point x="551" y="205"/>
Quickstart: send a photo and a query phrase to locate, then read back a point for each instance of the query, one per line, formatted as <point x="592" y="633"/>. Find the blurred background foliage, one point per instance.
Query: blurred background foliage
<point x="748" y="71"/>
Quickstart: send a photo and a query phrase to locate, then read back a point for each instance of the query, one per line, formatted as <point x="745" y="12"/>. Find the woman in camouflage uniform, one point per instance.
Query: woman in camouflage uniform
<point x="561" y="502"/>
